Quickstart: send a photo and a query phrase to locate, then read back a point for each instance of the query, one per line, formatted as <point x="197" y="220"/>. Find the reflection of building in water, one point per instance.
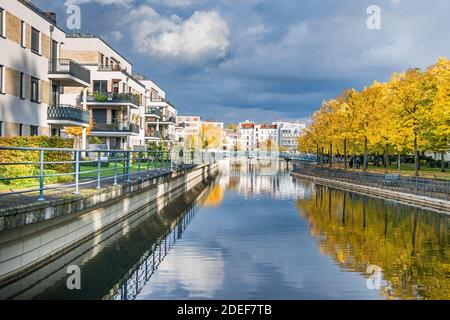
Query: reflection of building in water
<point x="257" y="177"/>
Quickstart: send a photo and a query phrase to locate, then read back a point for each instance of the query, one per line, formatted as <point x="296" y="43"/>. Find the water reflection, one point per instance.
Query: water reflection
<point x="249" y="242"/>
<point x="257" y="233"/>
<point x="410" y="245"/>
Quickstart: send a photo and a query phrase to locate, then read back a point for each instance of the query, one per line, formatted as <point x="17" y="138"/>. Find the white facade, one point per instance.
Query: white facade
<point x="160" y="115"/>
<point x="284" y="134"/>
<point x="30" y="39"/>
<point x="116" y="100"/>
<point x="289" y="133"/>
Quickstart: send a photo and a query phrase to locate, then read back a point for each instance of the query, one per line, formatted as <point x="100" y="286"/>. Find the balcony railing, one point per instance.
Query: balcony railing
<point x="159" y="99"/>
<point x="125" y="127"/>
<point x="153" y="134"/>
<point x="153" y="111"/>
<point x="108" y="67"/>
<point x="109" y="97"/>
<point x="66" y="112"/>
<point x="69" y="67"/>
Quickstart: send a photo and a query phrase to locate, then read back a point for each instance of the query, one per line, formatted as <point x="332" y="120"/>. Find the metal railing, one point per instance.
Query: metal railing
<point x="50" y="171"/>
<point x="109" y="67"/>
<point x="109" y="97"/>
<point x="67" y="112"/>
<point x="69" y="67"/>
<point x="153" y="134"/>
<point x="153" y="111"/>
<point x="435" y="188"/>
<point x="136" y="278"/>
<point x="126" y="127"/>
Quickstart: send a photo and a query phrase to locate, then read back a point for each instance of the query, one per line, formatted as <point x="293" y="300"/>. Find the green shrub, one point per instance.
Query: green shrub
<point x="10" y="156"/>
<point x="99" y="97"/>
<point x="15" y="171"/>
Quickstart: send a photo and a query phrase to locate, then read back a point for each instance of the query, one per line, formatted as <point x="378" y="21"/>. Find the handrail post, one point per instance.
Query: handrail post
<point x="115" y="169"/>
<point x="154" y="162"/>
<point x="139" y="166"/>
<point x="128" y="166"/>
<point x="98" y="170"/>
<point x="77" y="172"/>
<point x="148" y="163"/>
<point x="41" y="176"/>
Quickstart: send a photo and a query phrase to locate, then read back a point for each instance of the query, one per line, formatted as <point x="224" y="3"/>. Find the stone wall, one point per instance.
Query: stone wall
<point x="35" y="234"/>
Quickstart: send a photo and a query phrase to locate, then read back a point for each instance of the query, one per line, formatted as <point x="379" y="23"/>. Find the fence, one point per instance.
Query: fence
<point x="42" y="170"/>
<point x="434" y="188"/>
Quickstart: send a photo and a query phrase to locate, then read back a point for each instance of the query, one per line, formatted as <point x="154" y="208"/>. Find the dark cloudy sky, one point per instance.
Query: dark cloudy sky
<point x="264" y="59"/>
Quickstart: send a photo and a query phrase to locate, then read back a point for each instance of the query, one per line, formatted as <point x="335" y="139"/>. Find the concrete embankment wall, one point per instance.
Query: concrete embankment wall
<point x="410" y="199"/>
<point x="33" y="235"/>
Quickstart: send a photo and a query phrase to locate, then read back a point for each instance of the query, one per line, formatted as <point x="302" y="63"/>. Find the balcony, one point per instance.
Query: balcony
<point x="153" y="135"/>
<point x="109" y="67"/>
<point x="159" y="102"/>
<point x="109" y="98"/>
<point x="162" y="119"/>
<point x="67" y="115"/>
<point x="115" y="129"/>
<point x="153" y="112"/>
<point x="68" y="73"/>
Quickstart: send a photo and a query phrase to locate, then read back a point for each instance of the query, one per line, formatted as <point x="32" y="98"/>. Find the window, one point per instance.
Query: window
<point x="2" y="79"/>
<point x="20" y="130"/>
<point x="34" y="90"/>
<point x="2" y="23"/>
<point x="22" y="86"/>
<point x="23" y="34"/>
<point x="100" y="86"/>
<point x="35" y="41"/>
<point x="34" y="130"/>
<point x="1" y="128"/>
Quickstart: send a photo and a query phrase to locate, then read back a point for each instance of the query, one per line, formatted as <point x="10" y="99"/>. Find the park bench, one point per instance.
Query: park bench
<point x="390" y="179"/>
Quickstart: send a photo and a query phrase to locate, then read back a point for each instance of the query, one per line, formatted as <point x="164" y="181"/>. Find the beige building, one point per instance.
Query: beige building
<point x="116" y="99"/>
<point x="33" y="74"/>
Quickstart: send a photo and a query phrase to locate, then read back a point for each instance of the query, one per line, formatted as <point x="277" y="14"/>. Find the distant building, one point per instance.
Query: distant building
<point x="289" y="133"/>
<point x="233" y="140"/>
<point x="188" y="125"/>
<point x="283" y="134"/>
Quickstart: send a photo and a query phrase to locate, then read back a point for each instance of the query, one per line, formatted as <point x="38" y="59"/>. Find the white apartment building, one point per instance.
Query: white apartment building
<point x="289" y="133"/>
<point x="248" y="134"/>
<point x="233" y="141"/>
<point x="284" y="134"/>
<point x="267" y="132"/>
<point x="33" y="73"/>
<point x="160" y="115"/>
<point x="191" y="125"/>
<point x="116" y="100"/>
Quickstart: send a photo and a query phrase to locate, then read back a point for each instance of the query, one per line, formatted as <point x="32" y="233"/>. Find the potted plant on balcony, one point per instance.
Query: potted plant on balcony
<point x="99" y="97"/>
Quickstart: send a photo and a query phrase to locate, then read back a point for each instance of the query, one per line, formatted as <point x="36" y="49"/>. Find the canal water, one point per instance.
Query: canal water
<point x="254" y="232"/>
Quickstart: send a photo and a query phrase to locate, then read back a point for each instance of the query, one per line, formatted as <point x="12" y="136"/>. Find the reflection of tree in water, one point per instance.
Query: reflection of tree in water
<point x="412" y="246"/>
<point x="214" y="197"/>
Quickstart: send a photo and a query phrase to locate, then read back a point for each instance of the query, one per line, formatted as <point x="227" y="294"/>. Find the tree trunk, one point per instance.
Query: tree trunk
<point x="331" y="155"/>
<point x="322" y="156"/>
<point x="317" y="154"/>
<point x="442" y="162"/>
<point x="345" y="153"/>
<point x="416" y="157"/>
<point x="365" y="154"/>
<point x="386" y="159"/>
<point x="399" y="162"/>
